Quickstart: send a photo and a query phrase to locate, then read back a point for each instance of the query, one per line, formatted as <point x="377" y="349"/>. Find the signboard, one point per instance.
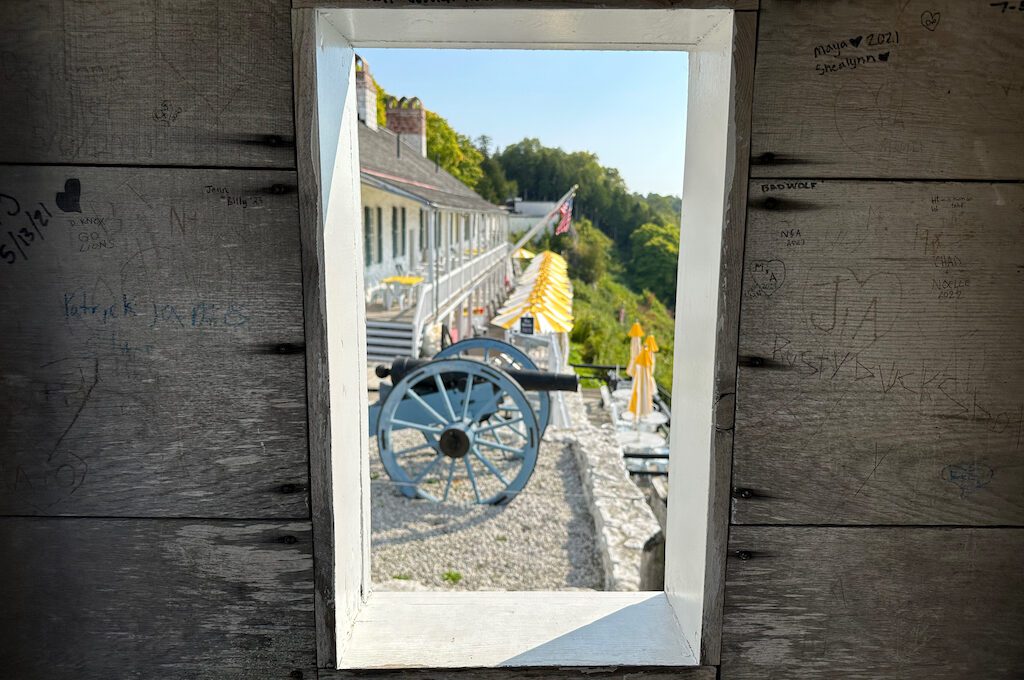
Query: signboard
<point x="526" y="325"/>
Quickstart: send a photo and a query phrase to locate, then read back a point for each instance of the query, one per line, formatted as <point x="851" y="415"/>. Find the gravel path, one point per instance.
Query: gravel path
<point x="541" y="540"/>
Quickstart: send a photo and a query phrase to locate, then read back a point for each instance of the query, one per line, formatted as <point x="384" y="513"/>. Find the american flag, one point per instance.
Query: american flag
<point x="566" y="212"/>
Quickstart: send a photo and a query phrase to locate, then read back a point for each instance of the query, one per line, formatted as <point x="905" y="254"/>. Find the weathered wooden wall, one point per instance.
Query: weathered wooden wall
<point x="154" y="515"/>
<point x="878" y="464"/>
<point x="154" y="512"/>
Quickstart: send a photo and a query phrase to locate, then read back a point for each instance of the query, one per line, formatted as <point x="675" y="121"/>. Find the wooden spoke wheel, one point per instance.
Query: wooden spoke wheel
<point x="458" y="430"/>
<point x="504" y="356"/>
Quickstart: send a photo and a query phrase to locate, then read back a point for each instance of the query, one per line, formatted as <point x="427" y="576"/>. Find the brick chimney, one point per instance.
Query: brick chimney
<point x="408" y="119"/>
<point x="366" y="94"/>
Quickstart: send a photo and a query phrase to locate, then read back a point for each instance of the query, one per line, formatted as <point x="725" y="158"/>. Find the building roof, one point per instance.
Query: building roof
<point x="382" y="164"/>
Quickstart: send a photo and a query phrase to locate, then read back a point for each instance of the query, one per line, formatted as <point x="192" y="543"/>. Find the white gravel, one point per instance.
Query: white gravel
<point x="541" y="540"/>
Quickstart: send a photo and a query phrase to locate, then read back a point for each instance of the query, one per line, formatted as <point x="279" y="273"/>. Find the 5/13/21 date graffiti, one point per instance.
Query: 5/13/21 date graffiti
<point x="32" y="221"/>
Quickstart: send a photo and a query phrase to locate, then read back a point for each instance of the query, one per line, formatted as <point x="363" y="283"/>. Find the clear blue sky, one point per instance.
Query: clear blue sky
<point x="627" y="107"/>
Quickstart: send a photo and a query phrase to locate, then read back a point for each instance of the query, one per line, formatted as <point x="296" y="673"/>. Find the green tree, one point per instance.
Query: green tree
<point x="454" y="152"/>
<point x="588" y="251"/>
<point x="494" y="186"/>
<point x="654" y="257"/>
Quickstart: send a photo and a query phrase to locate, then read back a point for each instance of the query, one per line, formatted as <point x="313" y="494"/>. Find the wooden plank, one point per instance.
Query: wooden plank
<point x="515" y="629"/>
<point x="88" y="598"/>
<point x="151" y="360"/>
<point x="589" y="673"/>
<point x="729" y="296"/>
<point x="534" y="4"/>
<point x="315" y="319"/>
<point x="882" y="369"/>
<point x="147" y="83"/>
<point x="874" y="604"/>
<point x="913" y="89"/>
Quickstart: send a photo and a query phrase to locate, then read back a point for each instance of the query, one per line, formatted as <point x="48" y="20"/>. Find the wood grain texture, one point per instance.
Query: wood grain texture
<point x="881" y="374"/>
<point x="151" y="360"/>
<point x="88" y="598"/>
<point x="913" y="89"/>
<point x="874" y="604"/>
<point x="314" y="314"/>
<point x="745" y="36"/>
<point x="532" y="4"/>
<point x="630" y="673"/>
<point x="146" y="83"/>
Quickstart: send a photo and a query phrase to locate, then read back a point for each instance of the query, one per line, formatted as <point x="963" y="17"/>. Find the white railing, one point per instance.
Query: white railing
<point x="436" y="295"/>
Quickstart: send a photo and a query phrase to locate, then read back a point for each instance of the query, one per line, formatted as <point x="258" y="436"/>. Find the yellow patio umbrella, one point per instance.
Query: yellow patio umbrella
<point x="636" y="333"/>
<point x="523" y="254"/>
<point x="651" y="345"/>
<point x="641" y="399"/>
<point x="545" y="319"/>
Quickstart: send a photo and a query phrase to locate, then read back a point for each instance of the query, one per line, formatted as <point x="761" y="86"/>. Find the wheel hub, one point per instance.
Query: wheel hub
<point x="455" y="442"/>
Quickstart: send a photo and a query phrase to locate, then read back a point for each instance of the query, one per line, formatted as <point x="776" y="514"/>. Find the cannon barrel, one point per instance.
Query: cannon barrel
<point x="531" y="381"/>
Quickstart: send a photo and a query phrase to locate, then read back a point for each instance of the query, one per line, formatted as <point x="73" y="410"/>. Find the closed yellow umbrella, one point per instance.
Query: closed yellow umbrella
<point x="651" y="345"/>
<point x="641" y="399"/>
<point x="636" y="333"/>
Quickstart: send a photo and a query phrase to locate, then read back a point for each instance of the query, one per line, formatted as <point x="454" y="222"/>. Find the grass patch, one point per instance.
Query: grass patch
<point x="452" y="577"/>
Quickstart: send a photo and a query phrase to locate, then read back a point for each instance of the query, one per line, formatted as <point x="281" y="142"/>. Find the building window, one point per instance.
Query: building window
<point x="404" y="232"/>
<point x="394" y="232"/>
<point x="367" y="237"/>
<point x="380" y="235"/>
<point x="422" y="241"/>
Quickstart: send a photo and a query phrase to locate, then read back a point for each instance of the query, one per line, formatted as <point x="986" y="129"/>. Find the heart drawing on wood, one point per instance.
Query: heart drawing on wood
<point x="68" y="200"/>
<point x="768" y="275"/>
<point x="930" y="20"/>
<point x="856" y="41"/>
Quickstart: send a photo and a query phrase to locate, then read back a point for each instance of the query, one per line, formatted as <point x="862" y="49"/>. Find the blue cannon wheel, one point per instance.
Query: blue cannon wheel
<point x="502" y="355"/>
<point x="458" y="430"/>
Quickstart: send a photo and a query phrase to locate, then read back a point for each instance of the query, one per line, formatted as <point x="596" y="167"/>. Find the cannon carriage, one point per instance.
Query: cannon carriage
<point x="466" y="424"/>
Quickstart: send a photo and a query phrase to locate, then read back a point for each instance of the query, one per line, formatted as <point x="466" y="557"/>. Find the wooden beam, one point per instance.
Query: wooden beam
<point x="96" y="599"/>
<point x="882" y="370"/>
<point x="874" y="603"/>
<point x="151" y="360"/>
<point x="912" y="90"/>
<point x="137" y="82"/>
<point x="731" y="283"/>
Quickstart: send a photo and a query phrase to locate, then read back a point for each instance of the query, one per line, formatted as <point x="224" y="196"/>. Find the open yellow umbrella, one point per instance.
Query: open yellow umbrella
<point x="545" y="319"/>
<point x="641" y="399"/>
<point x="636" y="333"/>
<point x="523" y="254"/>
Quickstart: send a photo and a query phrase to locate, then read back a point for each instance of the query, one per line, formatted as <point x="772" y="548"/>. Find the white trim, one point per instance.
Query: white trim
<point x="437" y="630"/>
<point x="346" y="323"/>
<point x="549" y="29"/>
<point x="705" y="191"/>
<point x="536" y="629"/>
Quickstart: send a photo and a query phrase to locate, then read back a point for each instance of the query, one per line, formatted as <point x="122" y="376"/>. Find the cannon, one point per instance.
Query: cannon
<point x="466" y="423"/>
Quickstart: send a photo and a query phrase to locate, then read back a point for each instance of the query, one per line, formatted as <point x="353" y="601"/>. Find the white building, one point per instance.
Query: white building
<point x="434" y="251"/>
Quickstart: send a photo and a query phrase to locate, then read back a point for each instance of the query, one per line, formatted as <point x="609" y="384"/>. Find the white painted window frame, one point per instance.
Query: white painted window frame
<point x="377" y="630"/>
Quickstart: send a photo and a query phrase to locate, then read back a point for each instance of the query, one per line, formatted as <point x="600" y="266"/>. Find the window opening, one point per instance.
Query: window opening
<point x="447" y="395"/>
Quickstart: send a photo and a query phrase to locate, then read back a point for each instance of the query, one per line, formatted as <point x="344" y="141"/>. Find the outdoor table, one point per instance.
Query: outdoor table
<point x="654" y="418"/>
<point x="398" y="286"/>
<point x="633" y="440"/>
<point x="622" y="393"/>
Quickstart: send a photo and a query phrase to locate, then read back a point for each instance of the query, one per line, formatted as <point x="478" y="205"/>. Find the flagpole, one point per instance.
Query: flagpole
<point x="544" y="220"/>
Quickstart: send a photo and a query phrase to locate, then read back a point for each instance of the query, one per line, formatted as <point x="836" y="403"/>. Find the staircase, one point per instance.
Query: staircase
<point x="386" y="340"/>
